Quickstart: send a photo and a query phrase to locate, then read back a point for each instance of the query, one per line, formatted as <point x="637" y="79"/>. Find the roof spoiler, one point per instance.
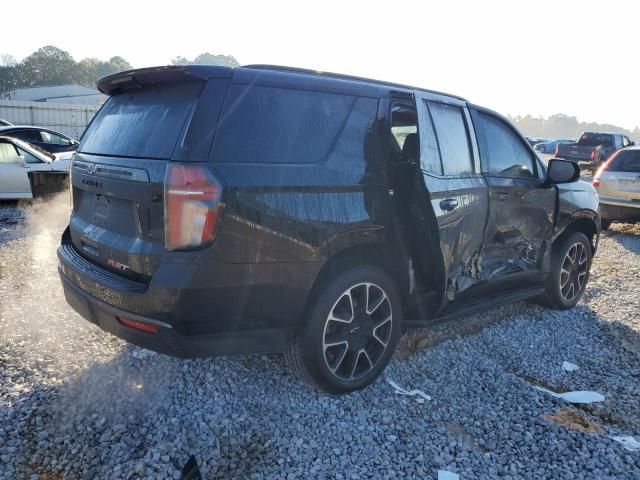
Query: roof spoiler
<point x="134" y="79"/>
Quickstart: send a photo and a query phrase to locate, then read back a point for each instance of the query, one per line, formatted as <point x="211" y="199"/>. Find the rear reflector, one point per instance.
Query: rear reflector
<point x="136" y="325"/>
<point x="192" y="206"/>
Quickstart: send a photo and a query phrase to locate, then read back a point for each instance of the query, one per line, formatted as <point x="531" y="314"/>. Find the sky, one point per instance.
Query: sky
<point x="517" y="57"/>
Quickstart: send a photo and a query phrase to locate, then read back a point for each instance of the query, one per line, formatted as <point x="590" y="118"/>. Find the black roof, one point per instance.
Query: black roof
<point x="133" y="78"/>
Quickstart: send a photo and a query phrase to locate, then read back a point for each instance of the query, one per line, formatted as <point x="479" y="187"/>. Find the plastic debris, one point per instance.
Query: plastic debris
<point x="628" y="442"/>
<point x="569" y="367"/>
<point x="401" y="391"/>
<point x="447" y="475"/>
<point x="581" y="396"/>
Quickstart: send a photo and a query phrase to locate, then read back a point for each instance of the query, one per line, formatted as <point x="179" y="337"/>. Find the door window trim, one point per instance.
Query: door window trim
<point x="421" y="99"/>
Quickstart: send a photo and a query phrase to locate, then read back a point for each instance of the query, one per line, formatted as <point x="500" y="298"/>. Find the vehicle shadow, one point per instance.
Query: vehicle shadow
<point x="626" y="234"/>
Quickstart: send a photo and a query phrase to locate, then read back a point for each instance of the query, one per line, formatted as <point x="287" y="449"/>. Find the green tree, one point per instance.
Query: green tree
<point x="48" y="65"/>
<point x="207" y="59"/>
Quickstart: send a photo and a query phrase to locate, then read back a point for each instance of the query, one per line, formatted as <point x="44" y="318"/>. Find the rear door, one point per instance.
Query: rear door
<point x="521" y="207"/>
<point x="14" y="179"/>
<point x="454" y="186"/>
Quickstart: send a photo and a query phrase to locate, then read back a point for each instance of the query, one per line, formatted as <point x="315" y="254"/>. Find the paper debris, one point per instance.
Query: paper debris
<point x="447" y="475"/>
<point x="401" y="391"/>
<point x="569" y="367"/>
<point x="628" y="442"/>
<point x="581" y="396"/>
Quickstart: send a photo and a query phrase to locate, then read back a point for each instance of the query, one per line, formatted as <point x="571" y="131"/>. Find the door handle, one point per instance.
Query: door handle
<point x="449" y="204"/>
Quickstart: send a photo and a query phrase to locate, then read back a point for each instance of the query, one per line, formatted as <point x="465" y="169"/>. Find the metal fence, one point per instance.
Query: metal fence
<point x="70" y="119"/>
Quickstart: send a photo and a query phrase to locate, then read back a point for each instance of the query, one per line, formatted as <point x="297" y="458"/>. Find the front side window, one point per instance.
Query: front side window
<point x="451" y="131"/>
<point x="8" y="153"/>
<point x="28" y="157"/>
<point x="503" y="152"/>
<point x="286" y="126"/>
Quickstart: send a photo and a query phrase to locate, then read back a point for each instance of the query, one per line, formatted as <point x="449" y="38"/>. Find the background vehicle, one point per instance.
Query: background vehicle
<point x="27" y="171"/>
<point x="533" y="141"/>
<point x="592" y="148"/>
<point x="618" y="186"/>
<point x="270" y="209"/>
<point x="48" y="140"/>
<point x="550" y="146"/>
<point x="4" y="123"/>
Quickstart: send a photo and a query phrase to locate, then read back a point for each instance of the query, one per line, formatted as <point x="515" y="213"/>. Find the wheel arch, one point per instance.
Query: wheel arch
<point x="586" y="222"/>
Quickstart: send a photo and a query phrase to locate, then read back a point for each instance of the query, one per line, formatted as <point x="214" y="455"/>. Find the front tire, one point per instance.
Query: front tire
<point x="350" y="333"/>
<point x="570" y="269"/>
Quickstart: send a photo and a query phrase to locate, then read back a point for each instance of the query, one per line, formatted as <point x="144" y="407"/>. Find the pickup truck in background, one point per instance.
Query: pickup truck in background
<point x="592" y="149"/>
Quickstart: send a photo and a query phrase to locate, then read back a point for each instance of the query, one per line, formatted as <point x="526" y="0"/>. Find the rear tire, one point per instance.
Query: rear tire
<point x="350" y="332"/>
<point x="570" y="269"/>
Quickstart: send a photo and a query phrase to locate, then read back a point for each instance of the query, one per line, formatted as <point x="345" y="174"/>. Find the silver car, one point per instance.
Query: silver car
<point x="618" y="185"/>
<point x="27" y="171"/>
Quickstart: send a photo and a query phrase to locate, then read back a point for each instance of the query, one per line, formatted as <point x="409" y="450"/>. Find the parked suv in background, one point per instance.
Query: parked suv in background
<point x="618" y="186"/>
<point x="269" y="209"/>
<point x="592" y="149"/>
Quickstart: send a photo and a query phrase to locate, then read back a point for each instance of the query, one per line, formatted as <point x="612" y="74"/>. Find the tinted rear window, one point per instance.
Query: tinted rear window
<point x="595" y="139"/>
<point x="144" y="123"/>
<point x="286" y="126"/>
<point x="626" y="161"/>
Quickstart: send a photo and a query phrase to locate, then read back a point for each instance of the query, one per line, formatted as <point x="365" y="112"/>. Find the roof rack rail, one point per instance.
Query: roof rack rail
<point x="306" y="71"/>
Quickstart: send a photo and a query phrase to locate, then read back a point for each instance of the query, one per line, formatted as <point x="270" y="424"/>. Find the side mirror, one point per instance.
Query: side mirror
<point x="562" y="171"/>
<point x="631" y="144"/>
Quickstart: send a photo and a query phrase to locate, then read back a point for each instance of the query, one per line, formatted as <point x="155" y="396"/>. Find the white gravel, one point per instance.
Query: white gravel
<point x="78" y="403"/>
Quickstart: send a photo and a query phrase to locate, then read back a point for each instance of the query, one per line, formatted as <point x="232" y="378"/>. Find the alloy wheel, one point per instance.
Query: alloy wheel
<point x="357" y="331"/>
<point x="573" y="272"/>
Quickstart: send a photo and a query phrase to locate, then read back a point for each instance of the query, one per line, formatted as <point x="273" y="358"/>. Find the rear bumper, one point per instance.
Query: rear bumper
<point x="167" y="340"/>
<point x="624" y="213"/>
<point x="201" y="305"/>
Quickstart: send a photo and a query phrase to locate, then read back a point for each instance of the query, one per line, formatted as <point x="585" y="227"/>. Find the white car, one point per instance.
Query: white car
<point x="27" y="171"/>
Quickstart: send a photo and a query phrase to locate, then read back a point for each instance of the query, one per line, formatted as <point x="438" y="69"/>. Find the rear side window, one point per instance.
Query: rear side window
<point x="145" y="123"/>
<point x="286" y="126"/>
<point x="450" y="127"/>
<point x="503" y="152"/>
<point x="27" y="135"/>
<point x="626" y="161"/>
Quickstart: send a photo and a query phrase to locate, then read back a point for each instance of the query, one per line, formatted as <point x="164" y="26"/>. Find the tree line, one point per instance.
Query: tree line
<point x="52" y="66"/>
<point x="564" y="126"/>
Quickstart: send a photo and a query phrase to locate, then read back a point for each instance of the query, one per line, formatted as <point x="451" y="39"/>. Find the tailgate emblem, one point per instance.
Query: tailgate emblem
<point x="117" y="265"/>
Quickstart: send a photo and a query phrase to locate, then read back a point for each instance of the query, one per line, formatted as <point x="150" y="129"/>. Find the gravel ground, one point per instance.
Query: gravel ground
<point x="77" y="403"/>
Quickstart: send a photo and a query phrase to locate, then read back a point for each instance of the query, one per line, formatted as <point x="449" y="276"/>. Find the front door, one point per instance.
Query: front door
<point x="455" y="187"/>
<point x="521" y="206"/>
<point x="14" y="179"/>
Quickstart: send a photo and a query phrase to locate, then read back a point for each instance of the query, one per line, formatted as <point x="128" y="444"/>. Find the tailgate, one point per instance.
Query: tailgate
<point x="620" y="184"/>
<point x="118" y="212"/>
<point x="575" y="152"/>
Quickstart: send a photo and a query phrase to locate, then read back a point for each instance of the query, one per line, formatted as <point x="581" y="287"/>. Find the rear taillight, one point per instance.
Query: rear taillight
<point x="603" y="167"/>
<point x="192" y="206"/>
<point x="594" y="155"/>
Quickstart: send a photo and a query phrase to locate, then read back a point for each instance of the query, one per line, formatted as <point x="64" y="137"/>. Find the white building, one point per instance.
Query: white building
<point x="76" y="94"/>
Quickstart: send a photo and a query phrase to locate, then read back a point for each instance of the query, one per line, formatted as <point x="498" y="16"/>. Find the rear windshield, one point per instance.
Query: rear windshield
<point x="145" y="123"/>
<point x="626" y="161"/>
<point x="595" y="139"/>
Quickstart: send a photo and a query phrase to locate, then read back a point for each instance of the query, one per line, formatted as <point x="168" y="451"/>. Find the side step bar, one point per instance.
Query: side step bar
<point x="476" y="305"/>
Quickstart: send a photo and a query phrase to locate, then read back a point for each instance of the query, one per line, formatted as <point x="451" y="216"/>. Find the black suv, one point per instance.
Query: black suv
<point x="270" y="209"/>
